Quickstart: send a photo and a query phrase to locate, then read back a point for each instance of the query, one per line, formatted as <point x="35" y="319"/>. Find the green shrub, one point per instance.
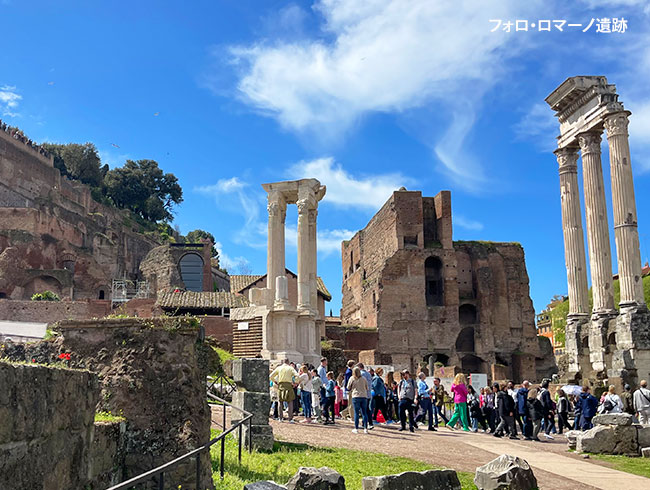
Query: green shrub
<point x="46" y="296"/>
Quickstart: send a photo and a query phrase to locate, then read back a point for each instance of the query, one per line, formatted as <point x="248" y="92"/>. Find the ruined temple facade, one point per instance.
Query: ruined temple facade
<point x="54" y="236"/>
<point x="431" y="299"/>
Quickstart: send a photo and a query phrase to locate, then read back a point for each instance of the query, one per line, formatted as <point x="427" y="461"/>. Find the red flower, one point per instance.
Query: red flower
<point x="62" y="356"/>
<point x="33" y="360"/>
<point x="65" y="356"/>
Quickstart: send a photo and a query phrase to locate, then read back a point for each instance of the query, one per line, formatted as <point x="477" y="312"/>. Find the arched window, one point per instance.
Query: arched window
<point x="434" y="282"/>
<point x="465" y="340"/>
<point x="467" y="315"/>
<point x="192" y="271"/>
<point x="101" y="294"/>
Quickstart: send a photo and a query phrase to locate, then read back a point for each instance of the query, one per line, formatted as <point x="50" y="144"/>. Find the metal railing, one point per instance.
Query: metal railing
<point x="226" y="385"/>
<point x="160" y="470"/>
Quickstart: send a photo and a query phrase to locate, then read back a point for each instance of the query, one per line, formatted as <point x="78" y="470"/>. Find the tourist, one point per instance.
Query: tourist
<point x="513" y="393"/>
<point x="322" y="374"/>
<point x="330" y="397"/>
<point x="339" y="400"/>
<point x="547" y="409"/>
<point x="406" y="391"/>
<point x="440" y="401"/>
<point x="284" y="375"/>
<point x="358" y="388"/>
<point x="296" y="403"/>
<point x="273" y="388"/>
<point x="368" y="377"/>
<point x="489" y="412"/>
<point x="305" y="385"/>
<point x="628" y="400"/>
<point x="317" y="384"/>
<point x="642" y="403"/>
<point x="475" y="412"/>
<point x="506" y="407"/>
<point x="379" y="395"/>
<point x="534" y="413"/>
<point x="425" y="400"/>
<point x="522" y="396"/>
<point x="573" y="400"/>
<point x="587" y="405"/>
<point x="612" y="403"/>
<point x="346" y="392"/>
<point x="563" y="407"/>
<point x="392" y="402"/>
<point x="459" y="389"/>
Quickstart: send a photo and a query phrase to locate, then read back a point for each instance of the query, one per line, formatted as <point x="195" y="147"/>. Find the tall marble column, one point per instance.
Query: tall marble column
<point x="275" y="265"/>
<point x="304" y="247"/>
<point x="600" y="258"/>
<point x="625" y="223"/>
<point x="313" y="272"/>
<point x="574" y="245"/>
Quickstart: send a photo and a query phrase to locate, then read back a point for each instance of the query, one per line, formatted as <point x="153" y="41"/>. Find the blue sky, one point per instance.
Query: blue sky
<point x="366" y="96"/>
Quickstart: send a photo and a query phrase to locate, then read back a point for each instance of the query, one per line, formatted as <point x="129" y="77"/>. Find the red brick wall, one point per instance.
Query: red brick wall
<point x="218" y="327"/>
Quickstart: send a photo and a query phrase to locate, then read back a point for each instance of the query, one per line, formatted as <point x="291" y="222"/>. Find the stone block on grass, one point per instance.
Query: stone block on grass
<point x="264" y="485"/>
<point x="262" y="436"/>
<point x="251" y="374"/>
<point x="571" y="438"/>
<point x="645" y="452"/>
<point x="505" y="472"/>
<point x="316" y="479"/>
<point x="411" y="480"/>
<point x="609" y="439"/>
<point x="613" y="419"/>
<point x="643" y="435"/>
<point x="256" y="403"/>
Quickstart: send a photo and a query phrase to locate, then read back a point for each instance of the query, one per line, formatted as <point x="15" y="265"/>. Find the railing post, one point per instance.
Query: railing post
<point x="224" y="416"/>
<point x="239" y="445"/>
<point x="223" y="456"/>
<point x="161" y="482"/>
<point x="250" y="435"/>
<point x="198" y="471"/>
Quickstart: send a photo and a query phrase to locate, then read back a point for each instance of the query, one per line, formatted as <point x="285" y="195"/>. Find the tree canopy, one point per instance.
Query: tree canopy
<point x="142" y="187"/>
<point x="80" y="162"/>
<point x="195" y="236"/>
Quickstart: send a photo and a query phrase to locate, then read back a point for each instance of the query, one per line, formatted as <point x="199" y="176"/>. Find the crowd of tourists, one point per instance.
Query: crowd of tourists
<point x="17" y="134"/>
<point x="370" y="397"/>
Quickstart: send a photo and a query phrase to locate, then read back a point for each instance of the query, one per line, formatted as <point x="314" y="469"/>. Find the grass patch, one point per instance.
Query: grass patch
<point x="224" y="355"/>
<point x="108" y="417"/>
<point x="635" y="466"/>
<point x="282" y="463"/>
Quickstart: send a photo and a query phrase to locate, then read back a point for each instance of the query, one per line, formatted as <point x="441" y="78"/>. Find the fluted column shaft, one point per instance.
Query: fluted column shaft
<point x="275" y="261"/>
<point x="574" y="245"/>
<point x="600" y="258"/>
<point x="625" y="221"/>
<point x="313" y="273"/>
<point x="304" y="252"/>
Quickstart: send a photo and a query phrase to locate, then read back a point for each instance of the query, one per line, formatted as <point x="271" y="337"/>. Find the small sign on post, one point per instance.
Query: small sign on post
<point x="242" y="326"/>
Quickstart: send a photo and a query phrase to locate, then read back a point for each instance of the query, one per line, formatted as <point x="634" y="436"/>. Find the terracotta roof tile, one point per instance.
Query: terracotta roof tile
<point x="240" y="282"/>
<point x="200" y="300"/>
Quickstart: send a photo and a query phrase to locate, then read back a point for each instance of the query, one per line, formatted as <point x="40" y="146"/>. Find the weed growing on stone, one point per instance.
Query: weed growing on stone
<point x="109" y="417"/>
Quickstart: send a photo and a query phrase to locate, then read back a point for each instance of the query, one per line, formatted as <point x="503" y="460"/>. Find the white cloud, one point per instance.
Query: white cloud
<point x="343" y="189"/>
<point x="639" y="130"/>
<point x="599" y="4"/>
<point x="9" y="100"/>
<point x="466" y="223"/>
<point x="329" y="241"/>
<point x="232" y="264"/>
<point x="539" y="125"/>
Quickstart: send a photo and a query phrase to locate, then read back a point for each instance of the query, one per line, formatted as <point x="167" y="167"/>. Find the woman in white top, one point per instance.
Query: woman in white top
<point x="305" y="385"/>
<point x="612" y="403"/>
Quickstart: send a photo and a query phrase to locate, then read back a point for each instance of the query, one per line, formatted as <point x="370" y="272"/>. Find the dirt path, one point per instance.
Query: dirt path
<point x="463" y="451"/>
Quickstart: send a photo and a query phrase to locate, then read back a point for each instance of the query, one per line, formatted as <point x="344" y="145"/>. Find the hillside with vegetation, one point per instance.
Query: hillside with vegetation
<point x="560" y="311"/>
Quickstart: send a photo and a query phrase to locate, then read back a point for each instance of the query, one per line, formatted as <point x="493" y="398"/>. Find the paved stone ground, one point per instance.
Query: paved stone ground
<point x="555" y="468"/>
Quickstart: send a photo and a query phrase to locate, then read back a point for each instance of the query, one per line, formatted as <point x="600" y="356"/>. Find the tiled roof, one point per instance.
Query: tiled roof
<point x="240" y="282"/>
<point x="200" y="300"/>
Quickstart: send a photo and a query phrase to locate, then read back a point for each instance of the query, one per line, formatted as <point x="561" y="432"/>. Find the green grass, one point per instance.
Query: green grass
<point x="635" y="466"/>
<point x="108" y="417"/>
<point x="285" y="459"/>
<point x="224" y="355"/>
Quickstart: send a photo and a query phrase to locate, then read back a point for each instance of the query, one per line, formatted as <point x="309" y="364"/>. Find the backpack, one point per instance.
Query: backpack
<point x="608" y="406"/>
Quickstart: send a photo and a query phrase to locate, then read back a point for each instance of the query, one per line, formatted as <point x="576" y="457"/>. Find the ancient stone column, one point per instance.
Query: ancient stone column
<point x="625" y="224"/>
<point x="574" y="245"/>
<point x="600" y="258"/>
<point x="313" y="272"/>
<point x="275" y="265"/>
<point x="304" y="247"/>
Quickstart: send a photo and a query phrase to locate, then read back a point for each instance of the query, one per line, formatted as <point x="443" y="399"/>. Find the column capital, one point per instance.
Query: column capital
<point x="590" y="142"/>
<point x="277" y="205"/>
<point x="567" y="159"/>
<point x="617" y="124"/>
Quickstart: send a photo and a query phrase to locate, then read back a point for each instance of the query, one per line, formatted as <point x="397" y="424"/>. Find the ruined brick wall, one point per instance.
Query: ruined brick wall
<point x="55" y="224"/>
<point x="52" y="311"/>
<point x="47" y="426"/>
<point x="482" y="317"/>
<point x="220" y="328"/>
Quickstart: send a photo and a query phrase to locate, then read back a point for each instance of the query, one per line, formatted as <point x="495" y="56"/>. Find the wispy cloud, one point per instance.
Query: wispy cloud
<point x="466" y="223"/>
<point x="329" y="241"/>
<point x="346" y="190"/>
<point x="232" y="264"/>
<point x="540" y="126"/>
<point x="9" y="100"/>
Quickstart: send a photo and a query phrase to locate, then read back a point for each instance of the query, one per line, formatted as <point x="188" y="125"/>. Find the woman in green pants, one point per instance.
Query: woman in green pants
<point x="459" y="389"/>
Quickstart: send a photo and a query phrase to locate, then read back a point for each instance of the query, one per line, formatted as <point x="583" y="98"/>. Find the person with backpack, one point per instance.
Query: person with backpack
<point x="548" y="416"/>
<point x="379" y="395"/>
<point x="628" y="400"/>
<point x="506" y="409"/>
<point x="475" y="412"/>
<point x="563" y="407"/>
<point x="522" y="409"/>
<point x="459" y="389"/>
<point x="426" y="404"/>
<point x="406" y="391"/>
<point x="358" y="388"/>
<point x="586" y="405"/>
<point x="439" y="407"/>
<point x="612" y="403"/>
<point x="642" y="403"/>
<point x="489" y="412"/>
